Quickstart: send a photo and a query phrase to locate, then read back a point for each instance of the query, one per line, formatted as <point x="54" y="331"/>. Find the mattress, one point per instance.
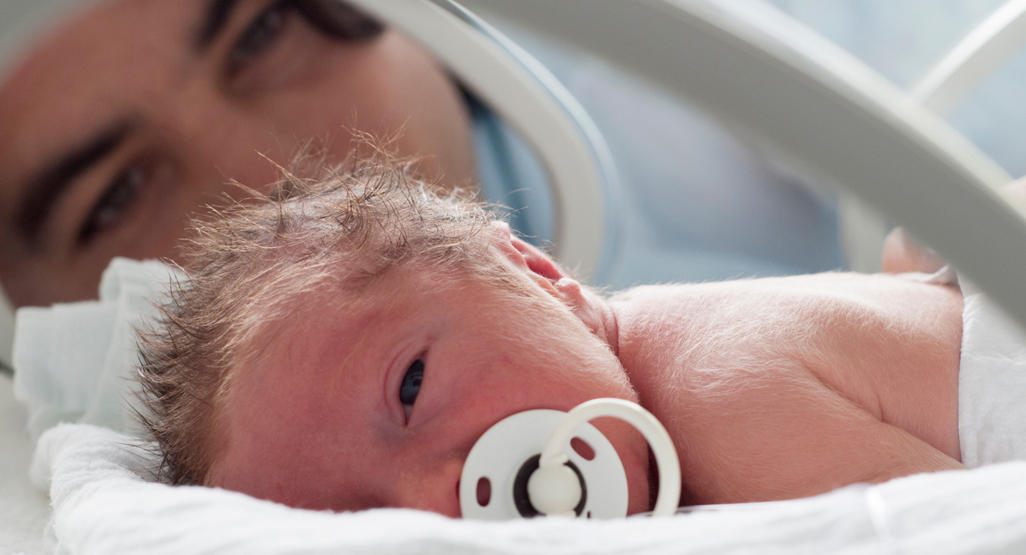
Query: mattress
<point x="105" y="501"/>
<point x="24" y="510"/>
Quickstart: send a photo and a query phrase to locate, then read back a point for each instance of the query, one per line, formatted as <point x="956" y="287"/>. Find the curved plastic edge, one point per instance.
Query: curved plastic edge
<point x="836" y="119"/>
<point x="516" y="93"/>
<point x="667" y="462"/>
<point x="976" y="56"/>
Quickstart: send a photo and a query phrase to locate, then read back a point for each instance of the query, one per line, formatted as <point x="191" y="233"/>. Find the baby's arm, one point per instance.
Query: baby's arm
<point x="785" y="434"/>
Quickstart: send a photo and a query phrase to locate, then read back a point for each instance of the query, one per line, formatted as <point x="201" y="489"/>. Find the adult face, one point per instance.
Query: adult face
<point x="140" y="112"/>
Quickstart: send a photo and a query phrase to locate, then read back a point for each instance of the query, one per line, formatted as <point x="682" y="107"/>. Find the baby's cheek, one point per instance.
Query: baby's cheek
<point x="633" y="452"/>
<point x="639" y="484"/>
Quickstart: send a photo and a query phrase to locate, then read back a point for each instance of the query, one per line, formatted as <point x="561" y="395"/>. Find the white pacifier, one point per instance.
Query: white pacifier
<point x="548" y="462"/>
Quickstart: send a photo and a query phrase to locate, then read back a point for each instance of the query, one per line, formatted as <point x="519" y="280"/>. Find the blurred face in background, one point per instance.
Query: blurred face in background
<point x="139" y="112"/>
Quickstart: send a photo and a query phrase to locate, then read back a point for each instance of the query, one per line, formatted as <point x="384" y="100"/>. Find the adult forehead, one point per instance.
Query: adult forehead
<point x="23" y="22"/>
<point x="26" y="26"/>
<point x="114" y="56"/>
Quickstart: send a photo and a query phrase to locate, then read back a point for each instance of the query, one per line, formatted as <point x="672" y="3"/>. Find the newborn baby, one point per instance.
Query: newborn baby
<point x="343" y="344"/>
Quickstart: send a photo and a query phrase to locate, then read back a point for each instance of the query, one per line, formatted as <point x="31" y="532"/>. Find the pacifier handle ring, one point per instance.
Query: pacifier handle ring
<point x="658" y="439"/>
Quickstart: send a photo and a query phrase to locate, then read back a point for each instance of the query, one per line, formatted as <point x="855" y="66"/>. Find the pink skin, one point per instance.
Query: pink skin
<point x="786" y="387"/>
<point x="199" y="125"/>
<point x="316" y="420"/>
<point x="770" y="389"/>
<point x="902" y="253"/>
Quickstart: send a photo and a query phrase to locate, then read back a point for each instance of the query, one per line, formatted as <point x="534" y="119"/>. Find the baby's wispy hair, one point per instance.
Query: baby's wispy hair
<point x="252" y="263"/>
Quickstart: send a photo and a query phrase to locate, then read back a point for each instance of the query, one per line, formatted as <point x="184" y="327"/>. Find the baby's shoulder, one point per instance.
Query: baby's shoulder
<point x="700" y="344"/>
<point x="713" y="340"/>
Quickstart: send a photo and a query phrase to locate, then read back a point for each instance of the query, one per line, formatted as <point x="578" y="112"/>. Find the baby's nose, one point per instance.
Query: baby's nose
<point x="430" y="488"/>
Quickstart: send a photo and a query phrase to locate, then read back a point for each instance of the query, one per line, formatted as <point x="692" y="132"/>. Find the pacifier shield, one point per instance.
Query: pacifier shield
<point x="501" y="452"/>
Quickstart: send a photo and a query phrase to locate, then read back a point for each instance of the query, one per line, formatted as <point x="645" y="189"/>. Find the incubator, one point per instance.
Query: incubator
<point x="785" y="89"/>
<point x="755" y="70"/>
<point x="545" y="462"/>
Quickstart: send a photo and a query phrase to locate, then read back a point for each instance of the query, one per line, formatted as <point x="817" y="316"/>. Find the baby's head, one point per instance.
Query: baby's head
<point x="342" y="343"/>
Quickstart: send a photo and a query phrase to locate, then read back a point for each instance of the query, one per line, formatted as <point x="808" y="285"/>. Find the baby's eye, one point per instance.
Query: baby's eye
<point x="410" y="386"/>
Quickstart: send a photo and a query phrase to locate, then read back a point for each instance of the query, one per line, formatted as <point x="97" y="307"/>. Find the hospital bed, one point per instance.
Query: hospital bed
<point x="756" y="78"/>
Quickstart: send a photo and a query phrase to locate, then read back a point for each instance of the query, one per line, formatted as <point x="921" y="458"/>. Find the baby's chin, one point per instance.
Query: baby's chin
<point x="630" y="446"/>
<point x="641" y="479"/>
<point x="634" y="454"/>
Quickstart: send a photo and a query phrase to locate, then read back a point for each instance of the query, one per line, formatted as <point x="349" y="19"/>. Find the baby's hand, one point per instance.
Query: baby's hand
<point x="901" y="253"/>
<point x="1015" y="193"/>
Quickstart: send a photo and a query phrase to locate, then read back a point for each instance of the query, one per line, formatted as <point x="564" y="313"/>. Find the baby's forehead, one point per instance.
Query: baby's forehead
<point x="367" y="281"/>
<point x="346" y="311"/>
<point x="405" y="288"/>
<point x="355" y="289"/>
<point x="345" y="328"/>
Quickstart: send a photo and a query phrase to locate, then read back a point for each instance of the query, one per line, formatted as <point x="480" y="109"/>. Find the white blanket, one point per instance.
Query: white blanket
<point x="24" y="510"/>
<point x="75" y="362"/>
<point x="104" y="502"/>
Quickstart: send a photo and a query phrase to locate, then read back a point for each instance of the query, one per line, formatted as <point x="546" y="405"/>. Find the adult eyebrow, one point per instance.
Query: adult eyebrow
<point x="45" y="189"/>
<point x="212" y="23"/>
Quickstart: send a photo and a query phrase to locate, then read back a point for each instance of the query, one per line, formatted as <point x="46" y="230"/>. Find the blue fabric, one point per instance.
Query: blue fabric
<point x="697" y="206"/>
<point x="511" y="175"/>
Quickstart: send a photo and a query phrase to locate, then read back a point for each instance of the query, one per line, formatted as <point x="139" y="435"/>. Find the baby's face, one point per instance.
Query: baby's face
<point x="332" y="416"/>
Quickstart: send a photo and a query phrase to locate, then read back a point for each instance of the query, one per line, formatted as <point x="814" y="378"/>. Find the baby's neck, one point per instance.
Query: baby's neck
<point x="610" y="327"/>
<point x="594" y="310"/>
<point x="639" y="323"/>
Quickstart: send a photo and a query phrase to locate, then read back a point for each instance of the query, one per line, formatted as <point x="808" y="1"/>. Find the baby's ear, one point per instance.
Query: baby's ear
<point x="524" y="255"/>
<point x="585" y="304"/>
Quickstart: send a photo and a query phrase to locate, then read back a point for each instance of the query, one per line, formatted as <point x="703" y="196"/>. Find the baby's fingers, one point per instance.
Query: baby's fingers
<point x="902" y="253"/>
<point x="1015" y="193"/>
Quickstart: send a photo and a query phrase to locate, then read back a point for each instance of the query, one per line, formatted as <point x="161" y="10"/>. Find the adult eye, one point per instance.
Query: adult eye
<point x="115" y="202"/>
<point x="339" y="20"/>
<point x="260" y="35"/>
<point x="410" y="386"/>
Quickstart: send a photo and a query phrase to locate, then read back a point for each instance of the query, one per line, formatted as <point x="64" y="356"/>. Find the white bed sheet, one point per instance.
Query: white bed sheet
<point x="24" y="510"/>
<point x="104" y="504"/>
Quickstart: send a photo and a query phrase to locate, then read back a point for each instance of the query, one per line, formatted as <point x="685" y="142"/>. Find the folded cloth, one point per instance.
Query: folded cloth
<point x="105" y="501"/>
<point x="75" y="362"/>
<point x="991" y="383"/>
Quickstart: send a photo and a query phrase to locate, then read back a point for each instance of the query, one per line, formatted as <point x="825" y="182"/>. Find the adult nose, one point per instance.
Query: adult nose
<point x="220" y="140"/>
